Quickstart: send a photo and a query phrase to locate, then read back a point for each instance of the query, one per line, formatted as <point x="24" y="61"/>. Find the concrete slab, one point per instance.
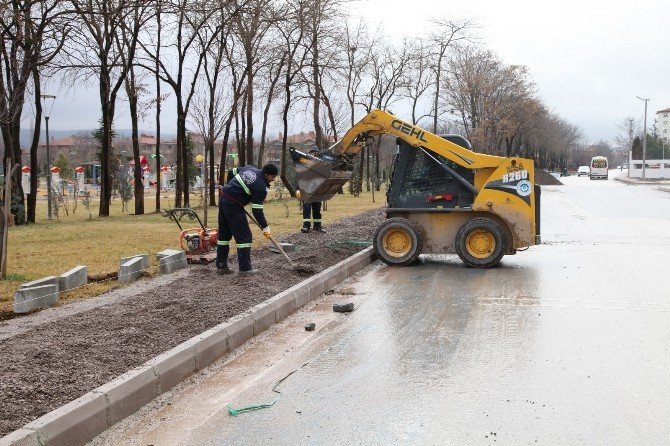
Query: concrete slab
<point x="130" y="391"/>
<point x="240" y="329"/>
<point x="211" y="346"/>
<point x="263" y="316"/>
<point x="172" y="263"/>
<point x="167" y="252"/>
<point x="20" y="437"/>
<point x="175" y="365"/>
<point x="75" y="278"/>
<point x="26" y="299"/>
<point x="131" y="269"/>
<point x="284" y="305"/>
<point x="75" y="423"/>
<point x="145" y="260"/>
<point x="51" y="280"/>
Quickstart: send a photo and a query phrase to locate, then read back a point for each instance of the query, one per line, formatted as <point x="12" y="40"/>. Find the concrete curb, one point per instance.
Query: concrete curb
<point x="81" y="420"/>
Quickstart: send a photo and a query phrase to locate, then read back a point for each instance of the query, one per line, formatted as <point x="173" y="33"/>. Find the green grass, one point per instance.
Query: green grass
<point x="50" y="248"/>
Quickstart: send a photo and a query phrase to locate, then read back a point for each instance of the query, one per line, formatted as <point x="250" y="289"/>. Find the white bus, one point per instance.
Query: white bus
<point x="599" y="167"/>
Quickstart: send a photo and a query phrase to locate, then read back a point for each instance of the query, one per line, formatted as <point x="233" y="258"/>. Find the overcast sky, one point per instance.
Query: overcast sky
<point x="589" y="59"/>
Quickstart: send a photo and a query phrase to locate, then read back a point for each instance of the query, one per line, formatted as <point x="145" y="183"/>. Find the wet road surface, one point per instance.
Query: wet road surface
<point x="566" y="343"/>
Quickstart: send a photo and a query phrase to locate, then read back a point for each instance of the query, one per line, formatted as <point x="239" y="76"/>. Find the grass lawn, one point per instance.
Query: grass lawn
<point x="50" y="248"/>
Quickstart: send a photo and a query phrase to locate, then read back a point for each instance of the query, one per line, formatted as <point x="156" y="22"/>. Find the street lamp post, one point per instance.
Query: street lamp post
<point x="644" y="138"/>
<point x="48" y="100"/>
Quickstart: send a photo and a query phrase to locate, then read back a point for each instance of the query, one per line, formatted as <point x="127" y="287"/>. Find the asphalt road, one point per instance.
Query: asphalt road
<point x="566" y="343"/>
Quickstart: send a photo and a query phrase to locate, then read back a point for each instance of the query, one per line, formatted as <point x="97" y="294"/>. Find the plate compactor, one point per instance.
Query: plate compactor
<point x="198" y="243"/>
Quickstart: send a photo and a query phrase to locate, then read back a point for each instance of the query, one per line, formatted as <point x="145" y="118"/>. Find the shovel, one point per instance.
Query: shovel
<point x="277" y="245"/>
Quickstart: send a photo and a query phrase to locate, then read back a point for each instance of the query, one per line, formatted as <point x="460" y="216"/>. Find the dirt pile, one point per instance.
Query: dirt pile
<point x="54" y="363"/>
<point x="544" y="178"/>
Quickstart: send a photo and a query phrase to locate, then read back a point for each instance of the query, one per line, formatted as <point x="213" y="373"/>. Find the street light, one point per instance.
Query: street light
<point x="644" y="138"/>
<point x="48" y="101"/>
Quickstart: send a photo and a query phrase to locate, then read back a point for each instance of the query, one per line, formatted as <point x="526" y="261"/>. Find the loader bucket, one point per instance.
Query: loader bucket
<point x="319" y="178"/>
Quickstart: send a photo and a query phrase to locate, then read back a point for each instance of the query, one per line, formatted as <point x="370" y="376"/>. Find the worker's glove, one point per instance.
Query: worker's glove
<point x="297" y="194"/>
<point x="266" y="232"/>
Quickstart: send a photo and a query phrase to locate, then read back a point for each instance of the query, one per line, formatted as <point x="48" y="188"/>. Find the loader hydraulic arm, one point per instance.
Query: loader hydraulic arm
<point x="379" y="122"/>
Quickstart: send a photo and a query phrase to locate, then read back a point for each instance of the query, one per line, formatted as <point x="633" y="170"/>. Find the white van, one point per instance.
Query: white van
<point x="599" y="167"/>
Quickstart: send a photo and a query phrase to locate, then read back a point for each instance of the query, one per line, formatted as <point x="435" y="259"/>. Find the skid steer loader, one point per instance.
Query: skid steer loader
<point x="443" y="197"/>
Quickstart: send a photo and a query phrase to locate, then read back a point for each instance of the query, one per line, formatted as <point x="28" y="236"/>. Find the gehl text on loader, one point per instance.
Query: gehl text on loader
<point x="443" y="196"/>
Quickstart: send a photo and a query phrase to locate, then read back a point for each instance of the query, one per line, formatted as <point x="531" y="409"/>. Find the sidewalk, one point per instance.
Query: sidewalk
<point x="623" y="177"/>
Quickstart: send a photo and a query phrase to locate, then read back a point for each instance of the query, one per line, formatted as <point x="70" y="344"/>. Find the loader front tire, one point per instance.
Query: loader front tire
<point x="398" y="242"/>
<point x="480" y="243"/>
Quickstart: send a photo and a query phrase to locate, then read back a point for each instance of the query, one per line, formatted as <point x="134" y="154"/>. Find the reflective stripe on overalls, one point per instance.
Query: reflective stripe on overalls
<point x="241" y="181"/>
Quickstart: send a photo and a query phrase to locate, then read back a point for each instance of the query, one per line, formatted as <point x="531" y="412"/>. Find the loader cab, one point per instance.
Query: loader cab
<point x="420" y="181"/>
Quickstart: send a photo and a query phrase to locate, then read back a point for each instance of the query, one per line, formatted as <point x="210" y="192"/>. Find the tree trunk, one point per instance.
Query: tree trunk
<point x="105" y="155"/>
<point x="318" y="130"/>
<point x="4" y="215"/>
<point x="284" y="150"/>
<point x="138" y="189"/>
<point x="179" y="180"/>
<point x="367" y="168"/>
<point x="32" y="196"/>
<point x="249" y="142"/>
<point x="158" y="112"/>
<point x="211" y="185"/>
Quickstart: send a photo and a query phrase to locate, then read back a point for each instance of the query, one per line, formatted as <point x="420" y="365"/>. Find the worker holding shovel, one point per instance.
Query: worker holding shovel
<point x="248" y="185"/>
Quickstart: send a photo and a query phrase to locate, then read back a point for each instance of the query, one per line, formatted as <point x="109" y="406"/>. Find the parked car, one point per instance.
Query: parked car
<point x="583" y="170"/>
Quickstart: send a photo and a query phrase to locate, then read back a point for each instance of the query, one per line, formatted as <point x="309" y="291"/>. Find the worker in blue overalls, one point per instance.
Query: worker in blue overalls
<point x="246" y="185"/>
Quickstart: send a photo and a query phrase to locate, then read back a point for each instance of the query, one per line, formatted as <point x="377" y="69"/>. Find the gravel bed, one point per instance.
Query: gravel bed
<point x="47" y="365"/>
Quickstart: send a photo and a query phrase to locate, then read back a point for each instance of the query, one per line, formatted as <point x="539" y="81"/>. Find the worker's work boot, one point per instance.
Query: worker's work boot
<point x="305" y="229"/>
<point x="319" y="229"/>
<point x="248" y="272"/>
<point x="223" y="271"/>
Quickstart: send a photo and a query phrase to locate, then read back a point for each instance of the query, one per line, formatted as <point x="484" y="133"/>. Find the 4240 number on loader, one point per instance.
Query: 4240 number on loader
<point x="443" y="196"/>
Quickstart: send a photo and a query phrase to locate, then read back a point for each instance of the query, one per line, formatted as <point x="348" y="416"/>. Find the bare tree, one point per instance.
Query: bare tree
<point x="388" y="67"/>
<point x="251" y="25"/>
<point x="236" y="72"/>
<point x="184" y="22"/>
<point x="418" y="78"/>
<point x="292" y="29"/>
<point x="446" y="34"/>
<point x="127" y="41"/>
<point x="94" y="50"/>
<point x="275" y="67"/>
<point x="322" y="33"/>
<point x="32" y="33"/>
<point x="359" y="49"/>
<point x="211" y="107"/>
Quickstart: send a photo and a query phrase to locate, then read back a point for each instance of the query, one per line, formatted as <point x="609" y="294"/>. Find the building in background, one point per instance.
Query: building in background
<point x="663" y="123"/>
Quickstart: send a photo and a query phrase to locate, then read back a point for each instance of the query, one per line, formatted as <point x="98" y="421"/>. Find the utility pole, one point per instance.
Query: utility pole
<point x="48" y="100"/>
<point x="644" y="139"/>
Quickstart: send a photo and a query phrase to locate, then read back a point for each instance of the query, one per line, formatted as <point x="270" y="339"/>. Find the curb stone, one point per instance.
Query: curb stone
<point x="81" y="420"/>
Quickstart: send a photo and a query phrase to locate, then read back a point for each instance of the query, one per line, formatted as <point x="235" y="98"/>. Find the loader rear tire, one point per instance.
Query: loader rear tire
<point x="480" y="243"/>
<point x="398" y="242"/>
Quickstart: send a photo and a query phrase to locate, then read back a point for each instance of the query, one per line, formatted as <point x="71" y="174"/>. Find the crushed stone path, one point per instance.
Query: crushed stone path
<point x="54" y="357"/>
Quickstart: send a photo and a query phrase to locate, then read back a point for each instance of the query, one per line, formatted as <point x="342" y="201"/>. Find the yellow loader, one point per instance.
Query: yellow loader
<point x="443" y="197"/>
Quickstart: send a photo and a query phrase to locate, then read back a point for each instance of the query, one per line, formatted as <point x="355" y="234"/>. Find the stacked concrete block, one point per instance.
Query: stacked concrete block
<point x="144" y="257"/>
<point x="172" y="263"/>
<point x="167" y="252"/>
<point x="50" y="280"/>
<point x="26" y="299"/>
<point x="131" y="269"/>
<point x="75" y="278"/>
